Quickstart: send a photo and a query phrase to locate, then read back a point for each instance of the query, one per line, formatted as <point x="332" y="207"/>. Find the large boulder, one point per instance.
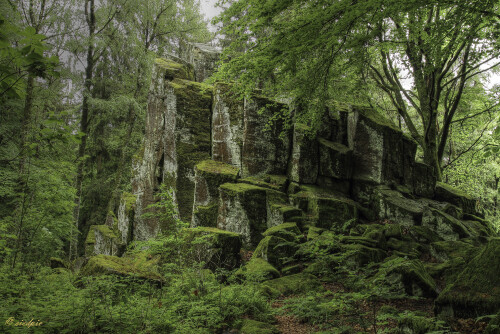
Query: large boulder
<point x="138" y="266"/>
<point x="209" y="175"/>
<point x="243" y="210"/>
<point x="392" y="205"/>
<point x="214" y="247"/>
<point x="450" y="194"/>
<point x="125" y="216"/>
<point x="476" y="291"/>
<point x="381" y="152"/>
<point x="101" y="239"/>
<point x="177" y="136"/>
<point x="335" y="160"/>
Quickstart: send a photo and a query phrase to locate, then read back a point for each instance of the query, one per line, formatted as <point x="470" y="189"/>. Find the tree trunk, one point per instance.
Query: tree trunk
<point x="91" y="21"/>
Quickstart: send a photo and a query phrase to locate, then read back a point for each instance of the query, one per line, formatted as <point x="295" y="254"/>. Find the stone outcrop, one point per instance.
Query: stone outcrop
<point x="203" y="57"/>
<point x="248" y="181"/>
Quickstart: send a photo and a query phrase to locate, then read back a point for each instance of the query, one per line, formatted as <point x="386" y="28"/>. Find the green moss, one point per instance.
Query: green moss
<point x="106" y="231"/>
<point x="212" y="167"/>
<point x="376" y="117"/>
<point x="446" y="250"/>
<point x="452" y="190"/>
<point x="206" y="215"/>
<point x="258" y="269"/>
<point x="250" y="326"/>
<point x="287" y="231"/>
<point x="175" y="70"/>
<point x="477" y="289"/>
<point x="129" y="199"/>
<point x="274" y="249"/>
<point x="240" y="188"/>
<point x="401" y="275"/>
<point x="274" y="182"/>
<point x="314" y="232"/>
<point x="138" y="266"/>
<point x="357" y="255"/>
<point x="295" y="284"/>
<point x="419" y="325"/>
<point x="90" y="240"/>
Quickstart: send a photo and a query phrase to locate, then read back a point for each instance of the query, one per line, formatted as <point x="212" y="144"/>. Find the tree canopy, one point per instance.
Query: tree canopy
<point x="423" y="54"/>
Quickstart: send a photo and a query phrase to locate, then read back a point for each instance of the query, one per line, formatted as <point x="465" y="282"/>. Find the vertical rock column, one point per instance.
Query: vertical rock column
<point x="209" y="175"/>
<point x="177" y="136"/>
<point x="227" y="126"/>
<point x="264" y="150"/>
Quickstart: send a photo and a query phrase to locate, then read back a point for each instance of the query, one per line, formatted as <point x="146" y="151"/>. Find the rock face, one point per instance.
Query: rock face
<point x="247" y="181"/>
<point x="203" y="57"/>
<point x="177" y="137"/>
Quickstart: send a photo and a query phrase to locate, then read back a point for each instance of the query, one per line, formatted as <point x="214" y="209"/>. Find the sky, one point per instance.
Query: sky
<point x="209" y="10"/>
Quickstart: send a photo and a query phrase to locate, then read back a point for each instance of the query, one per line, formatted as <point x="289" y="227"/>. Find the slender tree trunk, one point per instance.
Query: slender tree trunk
<point x="84" y="123"/>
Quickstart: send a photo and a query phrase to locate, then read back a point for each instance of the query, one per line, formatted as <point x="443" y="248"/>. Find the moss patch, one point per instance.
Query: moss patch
<point x="137" y="266"/>
<point x="258" y="270"/>
<point x="295" y="284"/>
<point x="287" y="231"/>
<point x="250" y="326"/>
<point x="477" y="289"/>
<point x="175" y="70"/>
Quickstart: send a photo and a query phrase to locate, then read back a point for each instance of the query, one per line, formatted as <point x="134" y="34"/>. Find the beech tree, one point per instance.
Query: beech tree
<point x="421" y="53"/>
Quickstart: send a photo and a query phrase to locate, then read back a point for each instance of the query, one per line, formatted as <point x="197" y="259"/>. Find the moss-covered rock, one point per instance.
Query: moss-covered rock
<point x="455" y="196"/>
<point x="125" y="216"/>
<point x="220" y="249"/>
<point x="243" y="210"/>
<point x="250" y="326"/>
<point x="273" y="182"/>
<point x="335" y="160"/>
<point x="314" y="232"/>
<point x="275" y="250"/>
<point x="265" y="145"/>
<point x="405" y="277"/>
<point x="381" y="152"/>
<point x="392" y="205"/>
<point x="445" y="226"/>
<point x="171" y="69"/>
<point x="257" y="270"/>
<point x="294" y="284"/>
<point x="447" y="250"/>
<point x="209" y="175"/>
<point x="329" y="209"/>
<point x="56" y="262"/>
<point x="494" y="325"/>
<point x="287" y="231"/>
<point x="477" y="289"/>
<point x="134" y="266"/>
<point x="101" y="239"/>
<point x="227" y="125"/>
<point x="415" y="324"/>
<point x="304" y="162"/>
<point x="357" y="255"/>
<point x="277" y="214"/>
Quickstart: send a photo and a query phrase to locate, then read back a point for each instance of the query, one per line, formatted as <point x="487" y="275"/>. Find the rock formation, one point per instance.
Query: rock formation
<point x="232" y="168"/>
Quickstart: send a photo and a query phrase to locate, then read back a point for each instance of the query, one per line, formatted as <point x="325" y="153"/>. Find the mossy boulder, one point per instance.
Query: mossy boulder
<point x="335" y="160"/>
<point x="275" y="250"/>
<point x="56" y="262"/>
<point x="416" y="324"/>
<point x="494" y="325"/>
<point x="447" y="250"/>
<point x="281" y="213"/>
<point x="382" y="154"/>
<point x="294" y="284"/>
<point x="304" y="161"/>
<point x="287" y="231"/>
<point x="250" y="326"/>
<point x="209" y="175"/>
<point x="401" y="276"/>
<point x="218" y="248"/>
<point x="170" y="69"/>
<point x="330" y="210"/>
<point x="477" y="289"/>
<point x="455" y="196"/>
<point x="444" y="225"/>
<point x="243" y="210"/>
<point x="101" y="239"/>
<point x="314" y="232"/>
<point x="139" y="266"/>
<point x="257" y="270"/>
<point x="356" y="255"/>
<point x="125" y="216"/>
<point x="392" y="205"/>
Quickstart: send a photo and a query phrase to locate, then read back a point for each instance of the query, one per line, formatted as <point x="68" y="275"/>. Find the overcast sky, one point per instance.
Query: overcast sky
<point x="208" y="8"/>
